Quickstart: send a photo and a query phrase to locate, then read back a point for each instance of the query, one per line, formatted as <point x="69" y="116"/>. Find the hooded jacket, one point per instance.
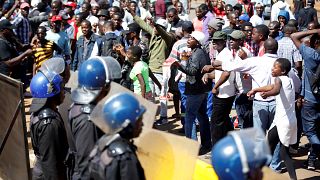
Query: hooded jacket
<point x="285" y="14"/>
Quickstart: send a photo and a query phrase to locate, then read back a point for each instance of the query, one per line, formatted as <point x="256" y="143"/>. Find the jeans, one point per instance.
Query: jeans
<point x="162" y="93"/>
<point x="183" y="100"/>
<point x="244" y="111"/>
<point x="209" y="103"/>
<point x="220" y="120"/>
<point x="263" y="114"/>
<point x="196" y="108"/>
<point x="310" y="114"/>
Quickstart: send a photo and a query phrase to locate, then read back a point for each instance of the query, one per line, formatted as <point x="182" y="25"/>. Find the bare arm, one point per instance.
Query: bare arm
<point x="142" y="85"/>
<point x="223" y="78"/>
<point x="298" y="66"/>
<point x="18" y="59"/>
<point x="296" y="37"/>
<point x="9" y="13"/>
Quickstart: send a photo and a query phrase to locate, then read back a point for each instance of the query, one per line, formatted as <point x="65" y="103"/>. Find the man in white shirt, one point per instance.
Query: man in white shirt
<point x="257" y="18"/>
<point x="222" y="101"/>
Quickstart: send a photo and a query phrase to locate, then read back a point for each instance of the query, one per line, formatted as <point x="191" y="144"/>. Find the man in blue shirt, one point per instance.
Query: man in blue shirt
<point x="310" y="112"/>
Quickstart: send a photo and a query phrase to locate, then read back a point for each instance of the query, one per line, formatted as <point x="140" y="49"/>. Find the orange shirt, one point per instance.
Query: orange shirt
<point x="197" y="24"/>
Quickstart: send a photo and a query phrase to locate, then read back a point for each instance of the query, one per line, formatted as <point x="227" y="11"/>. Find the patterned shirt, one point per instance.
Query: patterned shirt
<point x="43" y="53"/>
<point x="287" y="49"/>
<point x="252" y="47"/>
<point x="23" y="28"/>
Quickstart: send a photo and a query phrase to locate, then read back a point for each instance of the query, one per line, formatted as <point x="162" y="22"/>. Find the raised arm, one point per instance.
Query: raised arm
<point x="296" y="37"/>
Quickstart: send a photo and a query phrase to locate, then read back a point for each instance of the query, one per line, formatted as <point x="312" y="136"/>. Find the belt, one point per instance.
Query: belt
<point x="264" y="101"/>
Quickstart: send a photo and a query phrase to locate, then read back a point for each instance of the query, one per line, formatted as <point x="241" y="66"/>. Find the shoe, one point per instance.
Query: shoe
<point x="181" y="131"/>
<point x="161" y="121"/>
<point x="293" y="150"/>
<point x="311" y="165"/>
<point x="176" y="115"/>
<point x="204" y="150"/>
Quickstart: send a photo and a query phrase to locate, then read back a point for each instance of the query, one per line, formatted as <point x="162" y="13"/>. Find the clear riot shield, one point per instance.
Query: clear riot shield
<point x="14" y="154"/>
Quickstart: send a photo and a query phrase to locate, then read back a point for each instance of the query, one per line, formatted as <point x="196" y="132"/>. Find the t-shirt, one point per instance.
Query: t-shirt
<point x="307" y="15"/>
<point x="61" y="39"/>
<point x="7" y="52"/>
<point x="142" y="68"/>
<point x="42" y="54"/>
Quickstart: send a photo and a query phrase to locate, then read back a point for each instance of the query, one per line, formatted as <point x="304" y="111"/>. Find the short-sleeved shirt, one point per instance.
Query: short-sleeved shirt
<point x="307" y="15"/>
<point x="7" y="52"/>
<point x="287" y="49"/>
<point x="142" y="68"/>
<point x="311" y="61"/>
<point x="61" y="39"/>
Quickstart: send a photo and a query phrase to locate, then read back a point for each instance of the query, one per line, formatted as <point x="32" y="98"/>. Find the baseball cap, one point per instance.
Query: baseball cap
<point x="24" y="5"/>
<point x="237" y="34"/>
<point x="56" y="18"/>
<point x="199" y="36"/>
<point x="258" y="4"/>
<point x="244" y="17"/>
<point x="187" y="26"/>
<point x="5" y="24"/>
<point x="216" y="23"/>
<point x="219" y="35"/>
<point x="133" y="27"/>
<point x="71" y="4"/>
<point x="162" y="22"/>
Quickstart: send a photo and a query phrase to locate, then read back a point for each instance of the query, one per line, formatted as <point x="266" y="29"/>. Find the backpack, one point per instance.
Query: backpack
<point x="109" y="40"/>
<point x="315" y="83"/>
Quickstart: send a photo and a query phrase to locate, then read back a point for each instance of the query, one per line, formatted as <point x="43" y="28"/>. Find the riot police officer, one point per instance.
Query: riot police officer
<point x="48" y="133"/>
<point x="94" y="77"/>
<point x="241" y="155"/>
<point x="114" y="156"/>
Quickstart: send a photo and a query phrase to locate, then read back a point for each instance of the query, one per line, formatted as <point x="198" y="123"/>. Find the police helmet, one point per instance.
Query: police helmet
<point x="117" y="113"/>
<point x="45" y="85"/>
<point x="239" y="153"/>
<point x="94" y="74"/>
<point x="55" y="64"/>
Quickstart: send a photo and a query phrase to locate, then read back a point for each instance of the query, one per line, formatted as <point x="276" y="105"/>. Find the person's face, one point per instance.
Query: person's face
<point x="211" y="30"/>
<point x="218" y="45"/>
<point x="86" y="28"/>
<point x="199" y="13"/>
<point x="55" y="26"/>
<point x="234" y="19"/>
<point x="259" y="10"/>
<point x="234" y="43"/>
<point x="117" y="21"/>
<point x="228" y="9"/>
<point x="144" y="3"/>
<point x="8" y="33"/>
<point x="282" y="20"/>
<point x="256" y="36"/>
<point x="276" y="69"/>
<point x="41" y="34"/>
<point x="174" y="2"/>
<point x="103" y="18"/>
<point x="179" y="7"/>
<point x="85" y="8"/>
<point x="68" y="9"/>
<point x="112" y="11"/>
<point x="151" y="8"/>
<point x="78" y="20"/>
<point x="25" y="11"/>
<point x="171" y="17"/>
<point x="311" y="26"/>
<point x="273" y="30"/>
<point x="248" y="32"/>
<point x="94" y="10"/>
<point x="55" y="7"/>
<point x="192" y="42"/>
<point x="137" y="128"/>
<point x="132" y="7"/>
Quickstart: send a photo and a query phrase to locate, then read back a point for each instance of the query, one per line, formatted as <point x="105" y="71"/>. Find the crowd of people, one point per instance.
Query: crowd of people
<point x="225" y="57"/>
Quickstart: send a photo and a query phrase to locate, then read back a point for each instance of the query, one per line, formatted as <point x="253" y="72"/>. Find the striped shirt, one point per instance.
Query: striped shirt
<point x="287" y="49"/>
<point x="43" y="53"/>
<point x="23" y="28"/>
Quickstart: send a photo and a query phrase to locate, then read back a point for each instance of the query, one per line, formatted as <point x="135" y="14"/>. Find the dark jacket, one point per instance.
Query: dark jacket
<point x="195" y="63"/>
<point x="49" y="141"/>
<point x="85" y="135"/>
<point x="82" y="54"/>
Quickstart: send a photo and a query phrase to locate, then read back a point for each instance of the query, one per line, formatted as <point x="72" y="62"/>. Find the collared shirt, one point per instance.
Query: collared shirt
<point x="252" y="47"/>
<point x="227" y="89"/>
<point x="287" y="49"/>
<point x="258" y="67"/>
<point x="23" y="28"/>
<point x="311" y="61"/>
<point x="256" y="20"/>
